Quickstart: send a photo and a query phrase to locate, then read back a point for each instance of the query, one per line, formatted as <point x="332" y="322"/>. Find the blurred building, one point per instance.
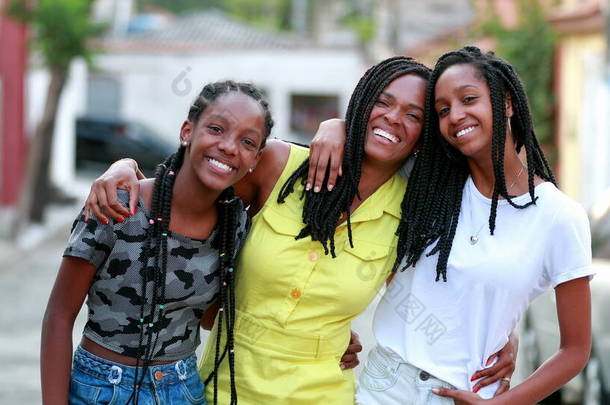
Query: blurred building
<point x="13" y="56"/>
<point x="582" y="90"/>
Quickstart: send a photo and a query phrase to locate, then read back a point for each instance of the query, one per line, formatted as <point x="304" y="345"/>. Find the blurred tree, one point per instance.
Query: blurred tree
<point x="530" y="48"/>
<point x="271" y="14"/>
<point x="60" y="30"/>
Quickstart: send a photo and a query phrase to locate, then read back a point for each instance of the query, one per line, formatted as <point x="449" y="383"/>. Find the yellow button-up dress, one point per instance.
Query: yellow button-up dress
<point x="295" y="304"/>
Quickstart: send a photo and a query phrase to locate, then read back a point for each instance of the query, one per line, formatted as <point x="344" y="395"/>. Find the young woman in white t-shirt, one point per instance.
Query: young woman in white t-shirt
<point x="485" y="233"/>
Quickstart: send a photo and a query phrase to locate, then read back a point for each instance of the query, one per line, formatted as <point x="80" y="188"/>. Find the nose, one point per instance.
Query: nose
<point x="456" y="114"/>
<point x="393" y="115"/>
<point x="228" y="144"/>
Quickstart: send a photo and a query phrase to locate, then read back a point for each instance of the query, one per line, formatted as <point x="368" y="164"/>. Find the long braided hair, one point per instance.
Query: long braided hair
<point x="431" y="207"/>
<point x="153" y="276"/>
<point x="322" y="210"/>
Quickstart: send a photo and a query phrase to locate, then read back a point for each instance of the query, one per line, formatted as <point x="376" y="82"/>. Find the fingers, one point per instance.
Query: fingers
<point x="314" y="154"/>
<point x="504" y="386"/>
<point x="504" y="367"/>
<point x="115" y="209"/>
<point x="458" y="395"/>
<point x="491" y="359"/>
<point x="492" y="378"/>
<point x="321" y="171"/>
<point x="354" y="338"/>
<point x="349" y="361"/>
<point x="134" y="194"/>
<point x="336" y="160"/>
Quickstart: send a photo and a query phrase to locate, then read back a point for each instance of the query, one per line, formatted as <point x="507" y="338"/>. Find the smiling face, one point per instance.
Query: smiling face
<point x="395" y="122"/>
<point x="463" y="104"/>
<point x="225" y="141"/>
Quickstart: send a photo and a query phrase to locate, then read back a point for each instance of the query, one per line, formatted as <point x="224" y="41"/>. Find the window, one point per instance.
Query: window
<point x="308" y="110"/>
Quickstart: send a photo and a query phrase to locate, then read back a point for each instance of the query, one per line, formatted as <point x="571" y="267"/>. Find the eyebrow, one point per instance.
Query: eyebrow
<point x="218" y="117"/>
<point x="465" y="86"/>
<point x="388" y="95"/>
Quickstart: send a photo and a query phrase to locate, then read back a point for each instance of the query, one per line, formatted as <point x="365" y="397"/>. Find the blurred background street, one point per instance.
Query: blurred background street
<point x="87" y="82"/>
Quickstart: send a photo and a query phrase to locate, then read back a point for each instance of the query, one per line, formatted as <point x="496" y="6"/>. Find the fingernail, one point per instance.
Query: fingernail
<point x="476" y="389"/>
<point x="135" y="210"/>
<point x="488" y="362"/>
<point x="436" y="391"/>
<point x="342" y="366"/>
<point x="316" y="189"/>
<point x="121" y="219"/>
<point x="105" y="220"/>
<point x="308" y="187"/>
<point x="330" y="187"/>
<point x="474" y="377"/>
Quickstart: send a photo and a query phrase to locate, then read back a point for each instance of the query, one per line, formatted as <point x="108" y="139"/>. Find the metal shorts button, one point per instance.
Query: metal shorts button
<point x="424" y="376"/>
<point x="159" y="375"/>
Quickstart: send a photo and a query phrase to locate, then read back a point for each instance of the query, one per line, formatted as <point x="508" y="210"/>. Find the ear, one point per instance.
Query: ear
<point x="186" y="132"/>
<point x="509" y="106"/>
<point x="257" y="159"/>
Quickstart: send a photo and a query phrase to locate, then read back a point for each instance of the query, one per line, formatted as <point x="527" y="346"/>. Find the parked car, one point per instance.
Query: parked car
<point x="539" y="331"/>
<point x="100" y="142"/>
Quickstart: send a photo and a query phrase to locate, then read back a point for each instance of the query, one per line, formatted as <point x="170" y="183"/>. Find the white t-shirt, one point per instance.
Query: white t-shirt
<point x="449" y="329"/>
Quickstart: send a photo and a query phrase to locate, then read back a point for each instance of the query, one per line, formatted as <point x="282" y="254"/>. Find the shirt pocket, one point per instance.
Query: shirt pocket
<point x="281" y="224"/>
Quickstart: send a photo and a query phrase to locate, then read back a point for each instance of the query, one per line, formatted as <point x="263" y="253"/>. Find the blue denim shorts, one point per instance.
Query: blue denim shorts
<point x="99" y="381"/>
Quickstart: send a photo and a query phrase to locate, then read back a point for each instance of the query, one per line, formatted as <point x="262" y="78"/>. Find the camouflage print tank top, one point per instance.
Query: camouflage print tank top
<point x="114" y="297"/>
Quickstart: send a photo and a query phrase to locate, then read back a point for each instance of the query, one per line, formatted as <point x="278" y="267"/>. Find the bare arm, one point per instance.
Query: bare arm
<point x="326" y="153"/>
<point x="574" y="315"/>
<point x="73" y="281"/>
<point x="209" y="316"/>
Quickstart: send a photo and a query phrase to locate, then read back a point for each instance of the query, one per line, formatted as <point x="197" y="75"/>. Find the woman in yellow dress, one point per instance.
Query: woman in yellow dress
<point x="314" y="260"/>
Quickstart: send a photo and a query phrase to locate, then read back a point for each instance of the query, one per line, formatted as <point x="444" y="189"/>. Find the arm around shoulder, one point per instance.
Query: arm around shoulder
<point x="255" y="187"/>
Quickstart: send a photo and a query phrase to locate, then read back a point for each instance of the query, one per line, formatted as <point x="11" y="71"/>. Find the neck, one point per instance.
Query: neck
<point x="372" y="177"/>
<point x="483" y="174"/>
<point x="190" y="198"/>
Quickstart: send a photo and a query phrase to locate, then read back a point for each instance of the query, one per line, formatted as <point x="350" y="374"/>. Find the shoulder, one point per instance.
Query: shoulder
<point x="564" y="209"/>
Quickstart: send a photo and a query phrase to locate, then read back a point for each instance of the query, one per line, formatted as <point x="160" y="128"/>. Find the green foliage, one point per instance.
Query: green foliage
<point x="363" y="26"/>
<point x="529" y="48"/>
<point x="270" y="14"/>
<point x="61" y="28"/>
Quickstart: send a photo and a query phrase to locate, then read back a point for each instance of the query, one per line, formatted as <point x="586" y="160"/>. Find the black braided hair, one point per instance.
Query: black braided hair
<point x="155" y="247"/>
<point x="434" y="195"/>
<point x="322" y="210"/>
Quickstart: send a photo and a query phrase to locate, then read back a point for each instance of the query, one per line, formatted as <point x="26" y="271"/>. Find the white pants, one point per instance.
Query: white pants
<point x="386" y="381"/>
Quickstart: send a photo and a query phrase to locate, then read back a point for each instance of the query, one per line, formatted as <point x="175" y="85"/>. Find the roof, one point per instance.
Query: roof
<point x="202" y="31"/>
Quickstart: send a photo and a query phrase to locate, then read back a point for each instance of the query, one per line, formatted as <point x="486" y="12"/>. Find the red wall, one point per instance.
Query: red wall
<point x="13" y="56"/>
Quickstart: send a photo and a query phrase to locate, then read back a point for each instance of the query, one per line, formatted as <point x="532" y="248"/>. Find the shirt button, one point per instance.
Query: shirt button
<point x="424" y="376"/>
<point x="313" y="256"/>
<point x="295" y="293"/>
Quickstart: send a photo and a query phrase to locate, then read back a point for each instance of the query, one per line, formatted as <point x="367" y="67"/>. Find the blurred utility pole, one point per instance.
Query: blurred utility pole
<point x="385" y="42"/>
<point x="607" y="14"/>
<point x="299" y="17"/>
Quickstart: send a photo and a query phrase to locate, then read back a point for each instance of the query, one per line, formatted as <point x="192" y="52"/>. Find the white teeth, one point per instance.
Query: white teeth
<point x="220" y="165"/>
<point x="386" y="135"/>
<point x="464" y="131"/>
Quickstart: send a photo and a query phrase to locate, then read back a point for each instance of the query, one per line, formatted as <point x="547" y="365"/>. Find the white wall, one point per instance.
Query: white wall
<point x="158" y="89"/>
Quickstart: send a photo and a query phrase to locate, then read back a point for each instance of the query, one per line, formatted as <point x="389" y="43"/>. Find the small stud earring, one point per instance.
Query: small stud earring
<point x="184" y="143"/>
<point x="250" y="170"/>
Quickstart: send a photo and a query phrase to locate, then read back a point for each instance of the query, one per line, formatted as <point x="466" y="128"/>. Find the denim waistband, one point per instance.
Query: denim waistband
<point x="117" y="373"/>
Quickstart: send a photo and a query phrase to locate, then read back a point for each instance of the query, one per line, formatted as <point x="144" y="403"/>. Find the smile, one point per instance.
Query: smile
<point x="384" y="134"/>
<point x="464" y="131"/>
<point x="220" y="165"/>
